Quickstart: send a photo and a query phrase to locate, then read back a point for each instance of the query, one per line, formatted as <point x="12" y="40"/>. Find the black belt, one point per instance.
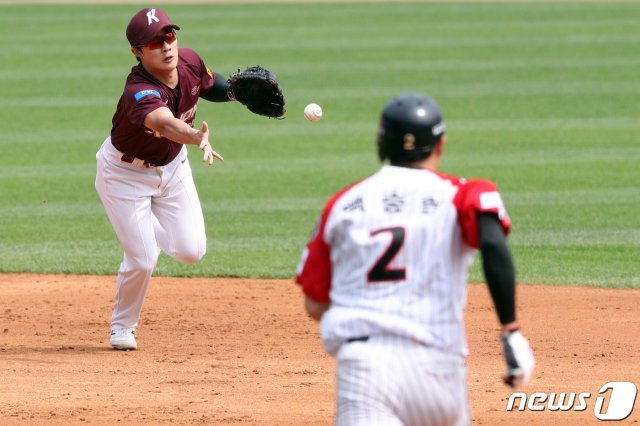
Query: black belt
<point x="138" y="162"/>
<point x="358" y="339"/>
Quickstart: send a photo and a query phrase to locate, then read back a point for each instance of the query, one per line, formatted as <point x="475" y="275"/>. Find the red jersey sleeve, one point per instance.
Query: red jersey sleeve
<point x="314" y="271"/>
<point x="478" y="196"/>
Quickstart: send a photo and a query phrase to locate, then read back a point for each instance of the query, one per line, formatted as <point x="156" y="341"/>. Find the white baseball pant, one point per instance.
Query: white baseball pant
<point x="392" y="381"/>
<point x="151" y="209"/>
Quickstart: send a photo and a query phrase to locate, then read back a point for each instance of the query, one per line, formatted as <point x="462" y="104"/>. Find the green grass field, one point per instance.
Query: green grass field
<point x="541" y="98"/>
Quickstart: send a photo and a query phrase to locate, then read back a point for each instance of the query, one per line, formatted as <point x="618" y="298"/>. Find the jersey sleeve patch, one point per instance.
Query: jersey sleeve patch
<point x="141" y="94"/>
<point x="207" y="79"/>
<point x="479" y="196"/>
<point x="491" y="201"/>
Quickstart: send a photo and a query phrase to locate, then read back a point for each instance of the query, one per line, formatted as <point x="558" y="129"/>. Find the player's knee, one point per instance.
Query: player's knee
<point x="142" y="264"/>
<point x="190" y="258"/>
<point x="192" y="254"/>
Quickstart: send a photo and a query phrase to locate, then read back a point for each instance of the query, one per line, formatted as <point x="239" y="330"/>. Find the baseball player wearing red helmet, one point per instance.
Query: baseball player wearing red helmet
<point x="385" y="273"/>
<point x="143" y="176"/>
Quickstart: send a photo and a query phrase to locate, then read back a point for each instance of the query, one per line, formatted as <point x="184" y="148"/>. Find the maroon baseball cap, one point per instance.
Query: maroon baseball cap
<point x="147" y="24"/>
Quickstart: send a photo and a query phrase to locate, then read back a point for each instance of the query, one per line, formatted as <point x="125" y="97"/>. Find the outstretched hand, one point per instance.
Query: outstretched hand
<point x="205" y="146"/>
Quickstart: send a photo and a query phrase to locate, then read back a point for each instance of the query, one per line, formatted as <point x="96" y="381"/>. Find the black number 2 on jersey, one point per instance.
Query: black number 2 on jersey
<point x="381" y="271"/>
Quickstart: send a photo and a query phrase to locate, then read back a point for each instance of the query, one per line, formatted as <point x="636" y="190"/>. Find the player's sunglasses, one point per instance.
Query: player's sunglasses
<point x="160" y="40"/>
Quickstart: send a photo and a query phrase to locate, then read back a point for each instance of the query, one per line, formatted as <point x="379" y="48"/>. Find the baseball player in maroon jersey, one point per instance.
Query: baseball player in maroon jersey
<point x="143" y="176"/>
<point x="385" y="273"/>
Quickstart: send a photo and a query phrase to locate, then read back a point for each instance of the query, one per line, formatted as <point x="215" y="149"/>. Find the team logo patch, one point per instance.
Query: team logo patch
<point x="491" y="200"/>
<point x="151" y="17"/>
<point x="438" y="129"/>
<point x="141" y="94"/>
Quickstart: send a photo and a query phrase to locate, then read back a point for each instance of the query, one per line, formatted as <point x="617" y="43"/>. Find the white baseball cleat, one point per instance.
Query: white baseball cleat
<point x="123" y="339"/>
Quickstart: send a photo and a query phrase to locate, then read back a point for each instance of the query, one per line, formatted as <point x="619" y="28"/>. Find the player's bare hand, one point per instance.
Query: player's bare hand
<point x="205" y="146"/>
<point x="209" y="153"/>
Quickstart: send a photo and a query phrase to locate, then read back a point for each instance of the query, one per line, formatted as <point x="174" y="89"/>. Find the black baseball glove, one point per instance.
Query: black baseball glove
<point x="257" y="89"/>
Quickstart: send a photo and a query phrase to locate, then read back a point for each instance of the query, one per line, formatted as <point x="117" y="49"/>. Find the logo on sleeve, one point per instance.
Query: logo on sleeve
<point x="492" y="201"/>
<point x="141" y="94"/>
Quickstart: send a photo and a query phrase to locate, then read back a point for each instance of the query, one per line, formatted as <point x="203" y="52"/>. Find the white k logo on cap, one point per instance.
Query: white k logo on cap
<point x="151" y="16"/>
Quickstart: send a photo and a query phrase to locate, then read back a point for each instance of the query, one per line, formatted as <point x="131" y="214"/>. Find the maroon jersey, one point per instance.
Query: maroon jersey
<point x="143" y="94"/>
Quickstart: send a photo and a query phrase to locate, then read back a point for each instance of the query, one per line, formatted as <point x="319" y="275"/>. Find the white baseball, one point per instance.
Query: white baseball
<point x="312" y="112"/>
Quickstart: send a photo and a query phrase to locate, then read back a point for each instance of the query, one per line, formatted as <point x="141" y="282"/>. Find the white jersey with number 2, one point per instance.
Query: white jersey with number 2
<point x="391" y="254"/>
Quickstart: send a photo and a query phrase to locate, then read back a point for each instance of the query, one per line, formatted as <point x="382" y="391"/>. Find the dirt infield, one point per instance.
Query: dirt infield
<point x="218" y="351"/>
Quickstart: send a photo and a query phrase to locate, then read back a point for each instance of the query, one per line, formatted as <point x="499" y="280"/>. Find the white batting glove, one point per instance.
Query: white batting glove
<point x="519" y="358"/>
